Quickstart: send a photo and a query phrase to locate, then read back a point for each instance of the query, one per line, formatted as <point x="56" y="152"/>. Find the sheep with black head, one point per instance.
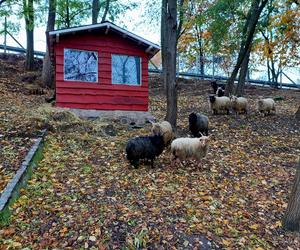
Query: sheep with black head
<point x="218" y="104"/>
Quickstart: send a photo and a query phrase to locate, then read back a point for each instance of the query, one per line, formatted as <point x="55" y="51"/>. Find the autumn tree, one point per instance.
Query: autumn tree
<point x="247" y="37"/>
<point x="192" y="44"/>
<point x="279" y="29"/>
<point x="48" y="70"/>
<point x="291" y="220"/>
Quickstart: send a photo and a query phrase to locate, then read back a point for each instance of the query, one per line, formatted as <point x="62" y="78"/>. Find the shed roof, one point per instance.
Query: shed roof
<point x="151" y="48"/>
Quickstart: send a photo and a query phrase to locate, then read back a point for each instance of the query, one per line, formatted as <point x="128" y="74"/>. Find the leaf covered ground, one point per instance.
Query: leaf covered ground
<point x="85" y="195"/>
<point x="18" y="129"/>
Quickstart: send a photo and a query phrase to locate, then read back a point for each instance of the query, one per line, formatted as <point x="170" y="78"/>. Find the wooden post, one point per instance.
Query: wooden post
<point x="291" y="220"/>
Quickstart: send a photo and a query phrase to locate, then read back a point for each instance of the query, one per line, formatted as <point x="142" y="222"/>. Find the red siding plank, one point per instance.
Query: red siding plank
<point x="103" y="106"/>
<point x="82" y="85"/>
<point x="107" y="51"/>
<point x="86" y="99"/>
<point x="101" y="92"/>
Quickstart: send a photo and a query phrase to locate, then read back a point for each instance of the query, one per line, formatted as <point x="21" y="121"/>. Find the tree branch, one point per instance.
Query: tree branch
<point x="179" y="27"/>
<point x="105" y="11"/>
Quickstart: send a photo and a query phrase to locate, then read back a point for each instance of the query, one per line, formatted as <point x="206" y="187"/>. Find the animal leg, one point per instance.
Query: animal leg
<point x="173" y="159"/>
<point x="199" y="164"/>
<point x="152" y="163"/>
<point x="135" y="164"/>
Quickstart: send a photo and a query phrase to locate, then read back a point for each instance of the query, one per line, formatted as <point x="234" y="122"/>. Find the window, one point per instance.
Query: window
<point x="126" y="69"/>
<point x="80" y="65"/>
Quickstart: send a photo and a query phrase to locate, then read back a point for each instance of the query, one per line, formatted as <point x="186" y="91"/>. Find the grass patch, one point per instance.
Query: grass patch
<point x="6" y="212"/>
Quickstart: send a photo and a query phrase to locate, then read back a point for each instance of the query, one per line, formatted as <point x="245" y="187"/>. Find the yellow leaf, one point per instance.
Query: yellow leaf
<point x="254" y="226"/>
<point x="226" y="242"/>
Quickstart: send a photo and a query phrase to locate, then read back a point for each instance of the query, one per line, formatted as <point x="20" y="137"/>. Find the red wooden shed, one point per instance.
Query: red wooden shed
<point x="101" y="67"/>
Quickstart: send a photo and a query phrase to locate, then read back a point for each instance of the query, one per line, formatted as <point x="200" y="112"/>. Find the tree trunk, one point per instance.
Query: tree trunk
<point x="297" y="114"/>
<point x="169" y="35"/>
<point x="29" y="25"/>
<point x="105" y="11"/>
<point x="243" y="73"/>
<point x="269" y="69"/>
<point x="249" y="29"/>
<point x="201" y="53"/>
<point x="163" y="40"/>
<point x="48" y="69"/>
<point x="95" y="11"/>
<point x="291" y="220"/>
<point x="68" y="19"/>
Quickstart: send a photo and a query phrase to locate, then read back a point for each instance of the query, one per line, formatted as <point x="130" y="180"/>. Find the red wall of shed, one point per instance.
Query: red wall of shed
<point x="102" y="95"/>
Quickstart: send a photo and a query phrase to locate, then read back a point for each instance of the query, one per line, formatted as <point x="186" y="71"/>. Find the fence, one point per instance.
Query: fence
<point x="214" y="70"/>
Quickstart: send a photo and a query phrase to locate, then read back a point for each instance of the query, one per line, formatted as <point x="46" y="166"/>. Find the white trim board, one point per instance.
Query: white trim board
<point x="107" y="25"/>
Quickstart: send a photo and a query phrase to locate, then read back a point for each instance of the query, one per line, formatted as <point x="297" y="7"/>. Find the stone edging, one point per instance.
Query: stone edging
<point x="10" y="188"/>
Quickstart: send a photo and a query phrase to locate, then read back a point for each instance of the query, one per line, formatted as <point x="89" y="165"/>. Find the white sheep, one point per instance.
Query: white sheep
<point x="165" y="129"/>
<point x="219" y="104"/>
<point x="239" y="104"/>
<point x="266" y="105"/>
<point x="189" y="148"/>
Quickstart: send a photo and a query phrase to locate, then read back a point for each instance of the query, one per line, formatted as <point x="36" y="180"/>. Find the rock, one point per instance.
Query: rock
<point x="110" y="130"/>
<point x="92" y="238"/>
<point x="29" y="77"/>
<point x="80" y="238"/>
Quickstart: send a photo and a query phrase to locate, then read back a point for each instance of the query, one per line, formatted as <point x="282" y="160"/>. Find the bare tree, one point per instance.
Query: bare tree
<point x="48" y="70"/>
<point x="249" y="28"/>
<point x="291" y="220"/>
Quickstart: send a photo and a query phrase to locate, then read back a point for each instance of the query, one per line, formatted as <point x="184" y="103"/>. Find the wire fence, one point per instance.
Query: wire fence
<point x="220" y="68"/>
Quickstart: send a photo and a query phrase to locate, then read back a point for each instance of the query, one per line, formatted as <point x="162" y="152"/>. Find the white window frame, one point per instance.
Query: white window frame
<point x="128" y="84"/>
<point x="67" y="80"/>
